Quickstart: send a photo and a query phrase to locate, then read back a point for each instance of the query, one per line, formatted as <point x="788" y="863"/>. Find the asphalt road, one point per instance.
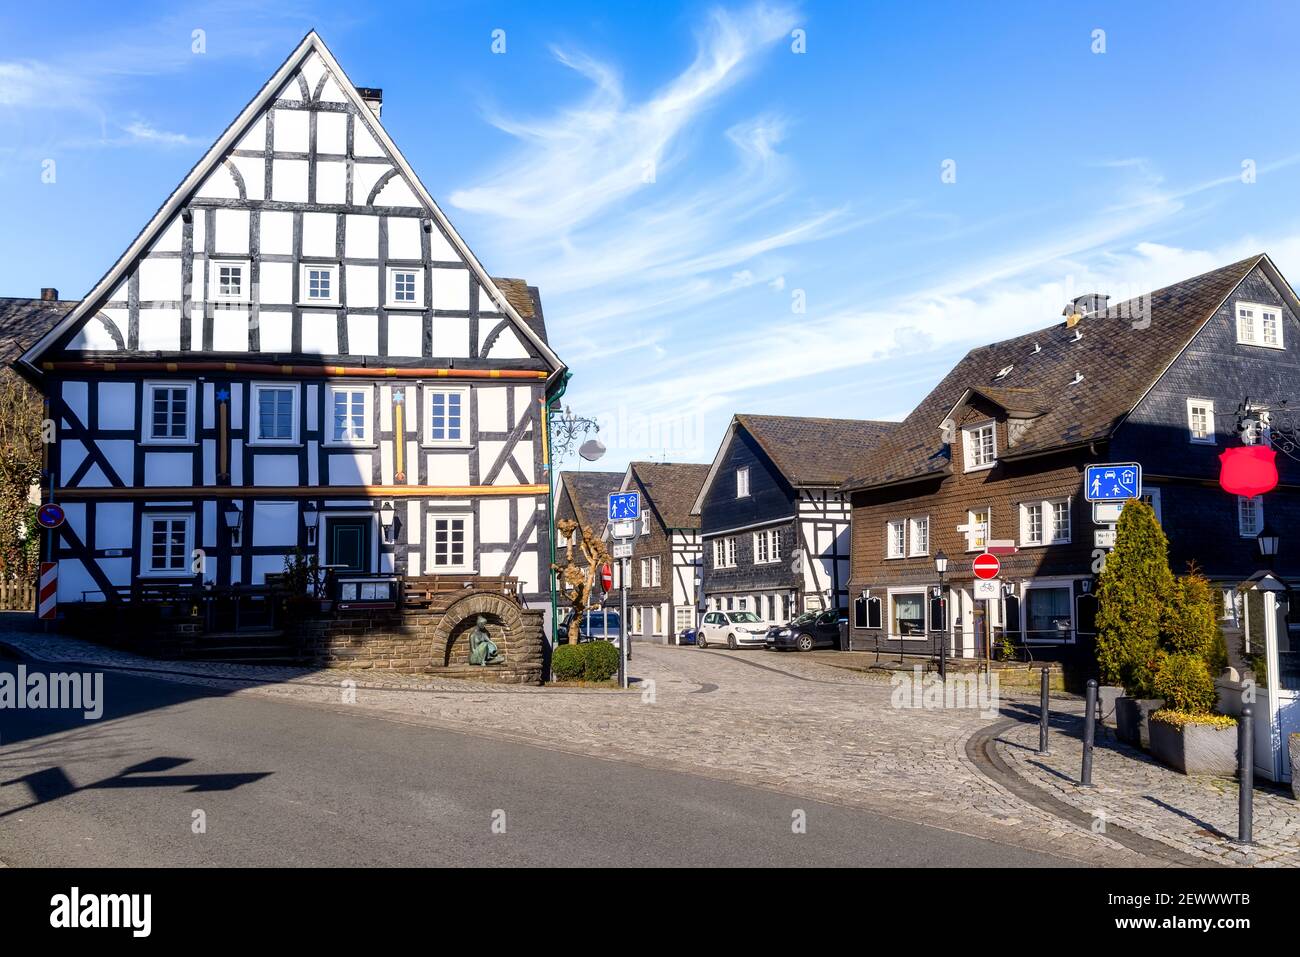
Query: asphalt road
<point x="288" y="784"/>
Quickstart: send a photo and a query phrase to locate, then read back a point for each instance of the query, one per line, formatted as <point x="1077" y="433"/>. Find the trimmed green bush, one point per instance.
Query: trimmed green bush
<point x="602" y="661"/>
<point x="1184" y="681"/>
<point x="1132" y="592"/>
<point x="1190" y="625"/>
<point x="568" y="662"/>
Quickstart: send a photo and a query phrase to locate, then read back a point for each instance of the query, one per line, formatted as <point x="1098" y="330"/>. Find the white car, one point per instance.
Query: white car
<point x="738" y="629"/>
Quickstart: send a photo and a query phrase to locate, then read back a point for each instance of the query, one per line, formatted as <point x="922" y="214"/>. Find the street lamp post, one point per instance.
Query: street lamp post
<point x="941" y="566"/>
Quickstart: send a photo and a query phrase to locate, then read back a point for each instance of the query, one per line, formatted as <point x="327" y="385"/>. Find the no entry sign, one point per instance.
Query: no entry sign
<point x="987" y="566"/>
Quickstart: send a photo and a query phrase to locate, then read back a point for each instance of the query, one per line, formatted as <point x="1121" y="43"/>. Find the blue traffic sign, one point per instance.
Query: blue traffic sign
<point x="624" y="506"/>
<point x="1114" y="482"/>
<point x="50" y="515"/>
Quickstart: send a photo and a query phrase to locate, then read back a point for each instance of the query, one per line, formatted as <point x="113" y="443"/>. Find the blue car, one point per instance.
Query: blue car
<point x="687" y="636"/>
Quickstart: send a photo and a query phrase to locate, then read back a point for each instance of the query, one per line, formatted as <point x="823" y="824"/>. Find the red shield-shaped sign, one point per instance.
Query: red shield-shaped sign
<point x="1248" y="470"/>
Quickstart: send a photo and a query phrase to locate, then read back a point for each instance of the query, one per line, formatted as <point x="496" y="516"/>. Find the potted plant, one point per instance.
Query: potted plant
<point x="299" y="581"/>
<point x="1131" y="591"/>
<point x="1187" y="735"/>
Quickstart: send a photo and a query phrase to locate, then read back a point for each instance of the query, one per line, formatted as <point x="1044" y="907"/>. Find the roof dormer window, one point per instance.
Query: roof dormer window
<point x="979" y="445"/>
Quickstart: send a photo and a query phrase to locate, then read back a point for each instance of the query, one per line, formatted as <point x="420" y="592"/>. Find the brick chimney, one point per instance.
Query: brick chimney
<point x="373" y="97"/>
<point x="49" y="294"/>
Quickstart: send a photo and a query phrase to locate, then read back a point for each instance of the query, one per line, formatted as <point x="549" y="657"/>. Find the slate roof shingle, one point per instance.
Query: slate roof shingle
<point x="526" y="300"/>
<point x="1121" y="353"/>
<point x="588" y="491"/>
<point x="815" y="451"/>
<point x="23" y="321"/>
<point x="672" y="488"/>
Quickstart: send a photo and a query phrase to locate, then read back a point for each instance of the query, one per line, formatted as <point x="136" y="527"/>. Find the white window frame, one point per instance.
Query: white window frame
<point x="368" y="424"/>
<point x="1047" y="522"/>
<point x="426" y="433"/>
<point x="1042" y="584"/>
<point x="742" y="482"/>
<point x="656" y="572"/>
<point x="967" y="436"/>
<point x="146" y="431"/>
<point x="390" y="288"/>
<point x="1153" y="494"/>
<point x="468" y="564"/>
<point x="645" y="523"/>
<point x="896" y="534"/>
<point x="245" y="280"/>
<point x="683" y="618"/>
<point x="767" y="546"/>
<point x="1254" y="336"/>
<point x="913" y="525"/>
<point x="1206" y="406"/>
<point x="887" y="625"/>
<point x="255" y="417"/>
<point x="971" y="532"/>
<point x="146" y="545"/>
<point x="304" y="285"/>
<point x="724" y="552"/>
<point x="1259" y="516"/>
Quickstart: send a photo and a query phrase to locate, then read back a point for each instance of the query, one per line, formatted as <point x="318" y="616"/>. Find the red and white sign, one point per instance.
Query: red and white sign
<point x="606" y="577"/>
<point x="986" y="566"/>
<point x="46" y="604"/>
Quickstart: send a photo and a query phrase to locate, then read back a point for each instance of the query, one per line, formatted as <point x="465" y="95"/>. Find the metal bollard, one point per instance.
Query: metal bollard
<point x="1246" y="777"/>
<point x="1043" y="713"/>
<point x="1089" y="726"/>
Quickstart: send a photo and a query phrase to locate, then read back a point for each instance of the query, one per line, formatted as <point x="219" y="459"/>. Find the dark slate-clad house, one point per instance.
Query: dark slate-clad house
<point x="774" y="524"/>
<point x="996" y="454"/>
<point x="662" y="590"/>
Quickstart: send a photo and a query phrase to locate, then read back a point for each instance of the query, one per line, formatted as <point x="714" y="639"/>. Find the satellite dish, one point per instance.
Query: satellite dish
<point x="592" y="449"/>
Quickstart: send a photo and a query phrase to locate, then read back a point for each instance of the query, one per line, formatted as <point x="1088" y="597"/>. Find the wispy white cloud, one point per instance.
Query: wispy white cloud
<point x="142" y="132"/>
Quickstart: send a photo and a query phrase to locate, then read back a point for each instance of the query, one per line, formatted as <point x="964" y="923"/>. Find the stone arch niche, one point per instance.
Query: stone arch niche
<point x="504" y="621"/>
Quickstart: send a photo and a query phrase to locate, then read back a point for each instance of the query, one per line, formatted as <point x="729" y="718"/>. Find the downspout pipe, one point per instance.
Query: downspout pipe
<point x="552" y="401"/>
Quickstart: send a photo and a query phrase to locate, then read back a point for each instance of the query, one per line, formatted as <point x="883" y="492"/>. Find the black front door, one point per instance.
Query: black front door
<point x="347" y="544"/>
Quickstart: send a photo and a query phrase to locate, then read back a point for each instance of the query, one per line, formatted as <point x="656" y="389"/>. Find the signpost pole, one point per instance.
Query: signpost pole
<point x="626" y="637"/>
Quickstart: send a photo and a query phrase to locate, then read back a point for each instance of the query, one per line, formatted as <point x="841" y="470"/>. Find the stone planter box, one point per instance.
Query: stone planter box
<point x="1293" y="751"/>
<point x="1107" y="695"/>
<point x="1131" y="724"/>
<point x="1195" y="748"/>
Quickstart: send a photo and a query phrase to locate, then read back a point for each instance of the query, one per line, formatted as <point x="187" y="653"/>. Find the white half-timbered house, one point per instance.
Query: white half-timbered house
<point x="299" y="352"/>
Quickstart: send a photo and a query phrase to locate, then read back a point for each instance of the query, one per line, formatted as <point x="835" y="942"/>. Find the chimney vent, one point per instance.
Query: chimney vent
<point x="1085" y="305"/>
<point x="373" y="97"/>
<point x="49" y="294"/>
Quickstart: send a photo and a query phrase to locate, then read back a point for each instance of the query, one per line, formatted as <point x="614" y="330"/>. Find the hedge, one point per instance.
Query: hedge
<point x="589" y="661"/>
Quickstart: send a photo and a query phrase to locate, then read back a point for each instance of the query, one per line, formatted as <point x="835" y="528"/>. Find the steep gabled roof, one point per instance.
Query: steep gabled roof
<point x="671" y="487"/>
<point x="806" y="451"/>
<point x="1120" y="353"/>
<point x="812" y="451"/>
<point x="588" y="491"/>
<point x="527" y="328"/>
<point x="23" y="321"/>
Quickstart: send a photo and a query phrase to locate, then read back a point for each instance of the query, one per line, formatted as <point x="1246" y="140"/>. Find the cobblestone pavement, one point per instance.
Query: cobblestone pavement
<point x="1194" y="814"/>
<point x="781" y="722"/>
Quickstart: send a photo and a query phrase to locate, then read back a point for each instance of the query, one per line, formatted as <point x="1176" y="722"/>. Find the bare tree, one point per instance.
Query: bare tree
<point x="578" y="582"/>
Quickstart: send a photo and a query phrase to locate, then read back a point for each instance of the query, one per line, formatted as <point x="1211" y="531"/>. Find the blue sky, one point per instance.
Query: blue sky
<point x="718" y="223"/>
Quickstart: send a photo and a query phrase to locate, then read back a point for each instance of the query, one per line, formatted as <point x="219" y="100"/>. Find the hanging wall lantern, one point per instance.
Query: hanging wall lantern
<point x="1248" y="470"/>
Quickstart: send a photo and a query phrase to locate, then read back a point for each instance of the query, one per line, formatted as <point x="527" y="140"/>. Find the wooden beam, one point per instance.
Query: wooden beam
<point x="269" y="368"/>
<point x="273" y="492"/>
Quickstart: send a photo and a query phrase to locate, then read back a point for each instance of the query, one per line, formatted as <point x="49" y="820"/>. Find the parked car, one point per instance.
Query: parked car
<point x="738" y="629"/>
<point x="812" y="629"/>
<point x="600" y="625"/>
<point x="687" y="636"/>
